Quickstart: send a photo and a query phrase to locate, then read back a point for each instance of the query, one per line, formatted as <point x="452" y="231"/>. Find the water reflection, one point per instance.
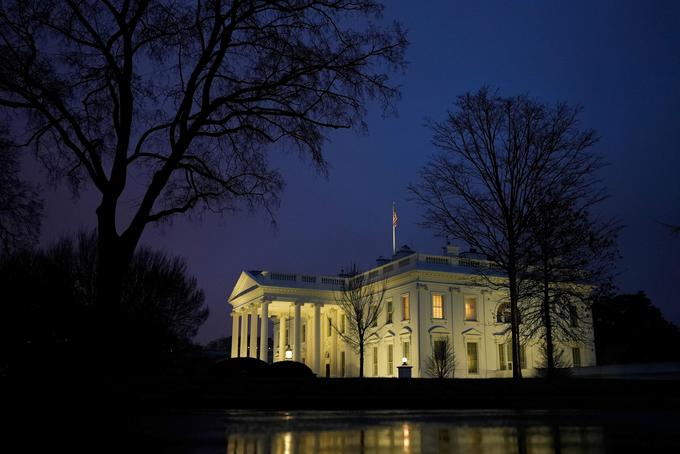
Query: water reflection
<point x="416" y="437"/>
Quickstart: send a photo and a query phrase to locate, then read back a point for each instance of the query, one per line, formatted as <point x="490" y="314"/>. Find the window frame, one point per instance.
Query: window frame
<point x="432" y="307"/>
<point x="467" y="358"/>
<point x="475" y="299"/>
<point x="389" y="311"/>
<point x="405" y="306"/>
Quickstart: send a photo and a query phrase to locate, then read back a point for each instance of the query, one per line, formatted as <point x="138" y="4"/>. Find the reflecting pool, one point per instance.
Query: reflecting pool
<point x="537" y="432"/>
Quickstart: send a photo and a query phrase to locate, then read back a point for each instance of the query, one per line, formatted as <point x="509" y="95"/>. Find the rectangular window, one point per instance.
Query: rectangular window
<point x="576" y="356"/>
<point x="470" y="308"/>
<point x="389" y="311"/>
<point x="405" y="307"/>
<point x="342" y="364"/>
<point x="573" y="316"/>
<point x="342" y="323"/>
<point x="287" y="335"/>
<point x="330" y="327"/>
<point x="472" y="358"/>
<point x="304" y="333"/>
<point x="502" y="362"/>
<point x="437" y="306"/>
<point x="375" y="361"/>
<point x="390" y="359"/>
<point x="406" y="351"/>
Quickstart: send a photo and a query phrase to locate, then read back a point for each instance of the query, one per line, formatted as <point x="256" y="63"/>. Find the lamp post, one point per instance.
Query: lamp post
<point x="289" y="352"/>
<point x="404" y="370"/>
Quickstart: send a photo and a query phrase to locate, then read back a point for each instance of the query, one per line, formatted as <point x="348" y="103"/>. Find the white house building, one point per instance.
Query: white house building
<point x="428" y="298"/>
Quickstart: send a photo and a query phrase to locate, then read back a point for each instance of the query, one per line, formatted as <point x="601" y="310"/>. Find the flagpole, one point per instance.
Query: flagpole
<point x="394" y="232"/>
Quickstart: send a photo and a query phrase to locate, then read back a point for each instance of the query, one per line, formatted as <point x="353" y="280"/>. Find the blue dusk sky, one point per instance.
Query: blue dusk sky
<point x="619" y="60"/>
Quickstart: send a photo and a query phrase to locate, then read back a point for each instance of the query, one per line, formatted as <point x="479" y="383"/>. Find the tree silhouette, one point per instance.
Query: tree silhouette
<point x="361" y="301"/>
<point x="496" y="156"/>
<point x="20" y="205"/>
<point x="186" y="98"/>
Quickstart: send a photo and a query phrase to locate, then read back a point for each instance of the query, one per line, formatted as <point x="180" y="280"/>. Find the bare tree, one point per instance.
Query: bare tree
<point x="442" y="362"/>
<point x="361" y="301"/>
<point x="485" y="184"/>
<point x="20" y="205"/>
<point x="186" y="97"/>
<point x="574" y="255"/>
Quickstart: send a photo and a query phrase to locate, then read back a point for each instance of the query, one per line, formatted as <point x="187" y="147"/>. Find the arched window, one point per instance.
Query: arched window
<point x="503" y="313"/>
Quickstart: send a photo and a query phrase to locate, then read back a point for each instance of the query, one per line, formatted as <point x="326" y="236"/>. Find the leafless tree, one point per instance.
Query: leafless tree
<point x="442" y="362"/>
<point x="186" y="97"/>
<point x="361" y="301"/>
<point x="20" y="204"/>
<point x="574" y="255"/>
<point x="483" y="187"/>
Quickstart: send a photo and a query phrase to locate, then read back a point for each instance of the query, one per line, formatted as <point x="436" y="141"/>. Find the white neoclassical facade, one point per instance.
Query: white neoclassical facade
<point x="428" y="298"/>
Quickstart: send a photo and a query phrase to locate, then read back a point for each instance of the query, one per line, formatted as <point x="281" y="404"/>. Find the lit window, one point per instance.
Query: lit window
<point x="472" y="359"/>
<point x="505" y="356"/>
<point x="375" y="361"/>
<point x="390" y="359"/>
<point x="405" y="307"/>
<point x="576" y="356"/>
<point x="406" y="350"/>
<point x="389" y="311"/>
<point x="470" y="308"/>
<point x="437" y="306"/>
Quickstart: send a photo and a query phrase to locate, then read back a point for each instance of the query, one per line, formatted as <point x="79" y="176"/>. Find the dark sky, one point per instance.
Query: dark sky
<point x="619" y="60"/>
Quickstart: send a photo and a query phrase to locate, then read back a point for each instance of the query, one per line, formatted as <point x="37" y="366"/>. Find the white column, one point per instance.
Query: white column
<point x="253" y="332"/>
<point x="244" y="335"/>
<point x="234" y="334"/>
<point x="296" y="332"/>
<point x="317" y="338"/>
<point x="282" y="337"/>
<point x="264" y="331"/>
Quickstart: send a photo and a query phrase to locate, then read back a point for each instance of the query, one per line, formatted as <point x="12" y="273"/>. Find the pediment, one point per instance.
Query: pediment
<point x="245" y="283"/>
<point x="389" y="334"/>
<point x="436" y="328"/>
<point x="471" y="332"/>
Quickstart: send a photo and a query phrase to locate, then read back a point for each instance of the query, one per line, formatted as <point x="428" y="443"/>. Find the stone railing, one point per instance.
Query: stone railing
<point x="413" y="261"/>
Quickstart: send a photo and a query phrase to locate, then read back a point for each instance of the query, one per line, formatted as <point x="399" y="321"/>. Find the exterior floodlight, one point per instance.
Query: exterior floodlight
<point x="404" y="360"/>
<point x="289" y="352"/>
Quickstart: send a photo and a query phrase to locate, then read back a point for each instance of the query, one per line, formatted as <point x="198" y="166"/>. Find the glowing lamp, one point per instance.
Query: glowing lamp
<point x="289" y="352"/>
<point x="404" y="360"/>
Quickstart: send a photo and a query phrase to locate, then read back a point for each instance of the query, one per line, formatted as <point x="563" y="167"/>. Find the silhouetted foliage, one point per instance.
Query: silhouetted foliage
<point x="559" y="364"/>
<point x="186" y="98"/>
<point x="48" y="310"/>
<point x="20" y="205"/>
<point x="442" y="362"/>
<point x="630" y="329"/>
<point x="361" y="300"/>
<point x="489" y="178"/>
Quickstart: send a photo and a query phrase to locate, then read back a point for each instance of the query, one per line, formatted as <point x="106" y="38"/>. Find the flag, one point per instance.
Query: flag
<point x="394" y="217"/>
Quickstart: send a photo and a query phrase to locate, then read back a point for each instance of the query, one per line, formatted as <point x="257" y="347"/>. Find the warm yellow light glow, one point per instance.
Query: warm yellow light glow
<point x="437" y="306"/>
<point x="287" y="442"/>
<point x="289" y="353"/>
<point x="470" y="308"/>
<point x="407" y="438"/>
<point x="404" y="360"/>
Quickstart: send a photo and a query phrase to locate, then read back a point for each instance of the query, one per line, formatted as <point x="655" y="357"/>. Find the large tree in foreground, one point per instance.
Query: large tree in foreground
<point x="497" y="155"/>
<point x="185" y="97"/>
<point x="48" y="300"/>
<point x="361" y="300"/>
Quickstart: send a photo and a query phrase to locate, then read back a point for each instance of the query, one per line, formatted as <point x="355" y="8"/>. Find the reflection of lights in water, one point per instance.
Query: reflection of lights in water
<point x="287" y="442"/>
<point x="407" y="438"/>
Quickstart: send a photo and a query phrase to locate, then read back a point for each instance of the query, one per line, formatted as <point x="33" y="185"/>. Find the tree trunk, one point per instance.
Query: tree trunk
<point x="361" y="358"/>
<point x="549" y="347"/>
<point x="514" y="323"/>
